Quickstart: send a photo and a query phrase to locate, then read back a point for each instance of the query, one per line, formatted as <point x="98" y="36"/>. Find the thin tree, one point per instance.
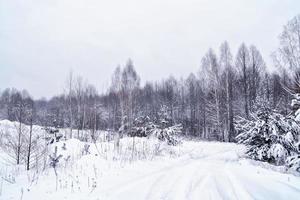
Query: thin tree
<point x="226" y="64"/>
<point x="242" y="62"/>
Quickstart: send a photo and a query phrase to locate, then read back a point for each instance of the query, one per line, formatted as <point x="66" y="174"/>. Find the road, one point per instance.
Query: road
<point x="209" y="171"/>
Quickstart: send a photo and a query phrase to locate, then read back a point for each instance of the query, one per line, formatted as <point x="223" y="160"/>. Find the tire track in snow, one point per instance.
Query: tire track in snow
<point x="240" y="191"/>
<point x="140" y="179"/>
<point x="175" y="175"/>
<point x="198" y="186"/>
<point x="263" y="186"/>
<point x="210" y="175"/>
<point x="195" y="161"/>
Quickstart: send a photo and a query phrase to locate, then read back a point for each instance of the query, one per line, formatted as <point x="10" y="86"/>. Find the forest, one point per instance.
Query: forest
<point x="207" y="104"/>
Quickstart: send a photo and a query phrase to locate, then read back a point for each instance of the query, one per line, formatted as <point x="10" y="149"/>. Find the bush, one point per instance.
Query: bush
<point x="293" y="163"/>
<point x="169" y="134"/>
<point x="162" y="129"/>
<point x="269" y="136"/>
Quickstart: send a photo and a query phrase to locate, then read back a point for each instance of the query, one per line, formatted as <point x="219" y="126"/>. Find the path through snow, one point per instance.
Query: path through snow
<point x="205" y="170"/>
<point x="209" y="171"/>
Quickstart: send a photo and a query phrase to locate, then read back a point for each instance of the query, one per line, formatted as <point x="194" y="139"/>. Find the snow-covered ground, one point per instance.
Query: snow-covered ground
<point x="192" y="170"/>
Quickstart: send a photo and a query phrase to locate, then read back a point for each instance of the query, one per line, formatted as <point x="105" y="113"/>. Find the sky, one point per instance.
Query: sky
<point x="42" y="41"/>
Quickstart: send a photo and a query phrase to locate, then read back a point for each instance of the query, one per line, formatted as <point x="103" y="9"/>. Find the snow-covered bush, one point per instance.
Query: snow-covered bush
<point x="168" y="134"/>
<point x="53" y="134"/>
<point x="293" y="163"/>
<point x="296" y="107"/>
<point x="162" y="129"/>
<point x="269" y="136"/>
<point x="278" y="153"/>
<point x="54" y="159"/>
<point x="142" y="127"/>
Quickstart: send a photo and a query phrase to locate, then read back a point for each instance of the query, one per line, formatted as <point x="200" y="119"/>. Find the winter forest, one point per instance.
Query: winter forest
<point x="225" y="132"/>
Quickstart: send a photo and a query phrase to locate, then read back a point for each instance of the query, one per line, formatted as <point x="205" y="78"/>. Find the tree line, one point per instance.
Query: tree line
<point x="206" y="103"/>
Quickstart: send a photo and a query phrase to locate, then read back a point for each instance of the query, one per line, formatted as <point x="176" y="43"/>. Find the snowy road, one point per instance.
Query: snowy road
<point x="205" y="170"/>
<point x="209" y="171"/>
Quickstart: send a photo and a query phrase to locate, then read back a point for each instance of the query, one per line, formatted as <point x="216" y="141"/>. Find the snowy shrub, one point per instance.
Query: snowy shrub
<point x="54" y="160"/>
<point x="53" y="135"/>
<point x="279" y="153"/>
<point x="296" y="106"/>
<point x="169" y="134"/>
<point x="269" y="136"/>
<point x="86" y="149"/>
<point x="164" y="130"/>
<point x="161" y="129"/>
<point x="142" y="127"/>
<point x="293" y="163"/>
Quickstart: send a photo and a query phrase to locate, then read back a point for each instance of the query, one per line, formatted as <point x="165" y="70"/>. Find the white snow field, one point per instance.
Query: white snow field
<point x="143" y="168"/>
<point x="193" y="170"/>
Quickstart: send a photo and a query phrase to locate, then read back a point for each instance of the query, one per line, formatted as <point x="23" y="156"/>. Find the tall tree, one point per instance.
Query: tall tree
<point x="288" y="53"/>
<point x="212" y="68"/>
<point x="130" y="84"/>
<point x="226" y="64"/>
<point x="20" y="110"/>
<point x="192" y="89"/>
<point x="257" y="69"/>
<point x="69" y="100"/>
<point x="31" y="115"/>
<point x="242" y="63"/>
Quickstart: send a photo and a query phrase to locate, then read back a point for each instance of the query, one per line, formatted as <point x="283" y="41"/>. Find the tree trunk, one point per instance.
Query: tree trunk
<point x="19" y="135"/>
<point x="29" y="146"/>
<point x="229" y="107"/>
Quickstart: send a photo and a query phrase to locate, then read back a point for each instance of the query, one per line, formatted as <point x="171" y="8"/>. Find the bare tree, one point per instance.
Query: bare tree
<point x="116" y="89"/>
<point x="226" y="64"/>
<point x="288" y="53"/>
<point x="30" y="139"/>
<point x="287" y="57"/>
<point x="192" y="89"/>
<point x="257" y="70"/>
<point x="130" y="84"/>
<point x="242" y="63"/>
<point x="20" y="112"/>
<point x="211" y="66"/>
<point x="70" y="92"/>
<point x="79" y="89"/>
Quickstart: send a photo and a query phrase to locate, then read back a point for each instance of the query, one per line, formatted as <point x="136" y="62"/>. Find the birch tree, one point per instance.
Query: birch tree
<point x="242" y="64"/>
<point x="226" y="64"/>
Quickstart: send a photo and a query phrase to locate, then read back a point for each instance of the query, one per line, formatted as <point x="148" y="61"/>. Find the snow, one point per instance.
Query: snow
<point x="203" y="169"/>
<point x="193" y="170"/>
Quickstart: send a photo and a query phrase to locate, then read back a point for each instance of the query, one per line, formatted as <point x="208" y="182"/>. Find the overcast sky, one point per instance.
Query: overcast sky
<point x="42" y="40"/>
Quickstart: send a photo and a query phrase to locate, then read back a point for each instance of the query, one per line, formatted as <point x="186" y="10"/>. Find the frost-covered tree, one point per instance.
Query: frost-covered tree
<point x="293" y="161"/>
<point x="130" y="82"/>
<point x="164" y="131"/>
<point x="256" y="70"/>
<point x="192" y="85"/>
<point x="16" y="141"/>
<point x="54" y="160"/>
<point x="226" y="64"/>
<point x="288" y="54"/>
<point x="269" y="136"/>
<point x="169" y="134"/>
<point x="52" y="134"/>
<point x="212" y="71"/>
<point x="161" y="129"/>
<point x="242" y="63"/>
<point x="142" y="127"/>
